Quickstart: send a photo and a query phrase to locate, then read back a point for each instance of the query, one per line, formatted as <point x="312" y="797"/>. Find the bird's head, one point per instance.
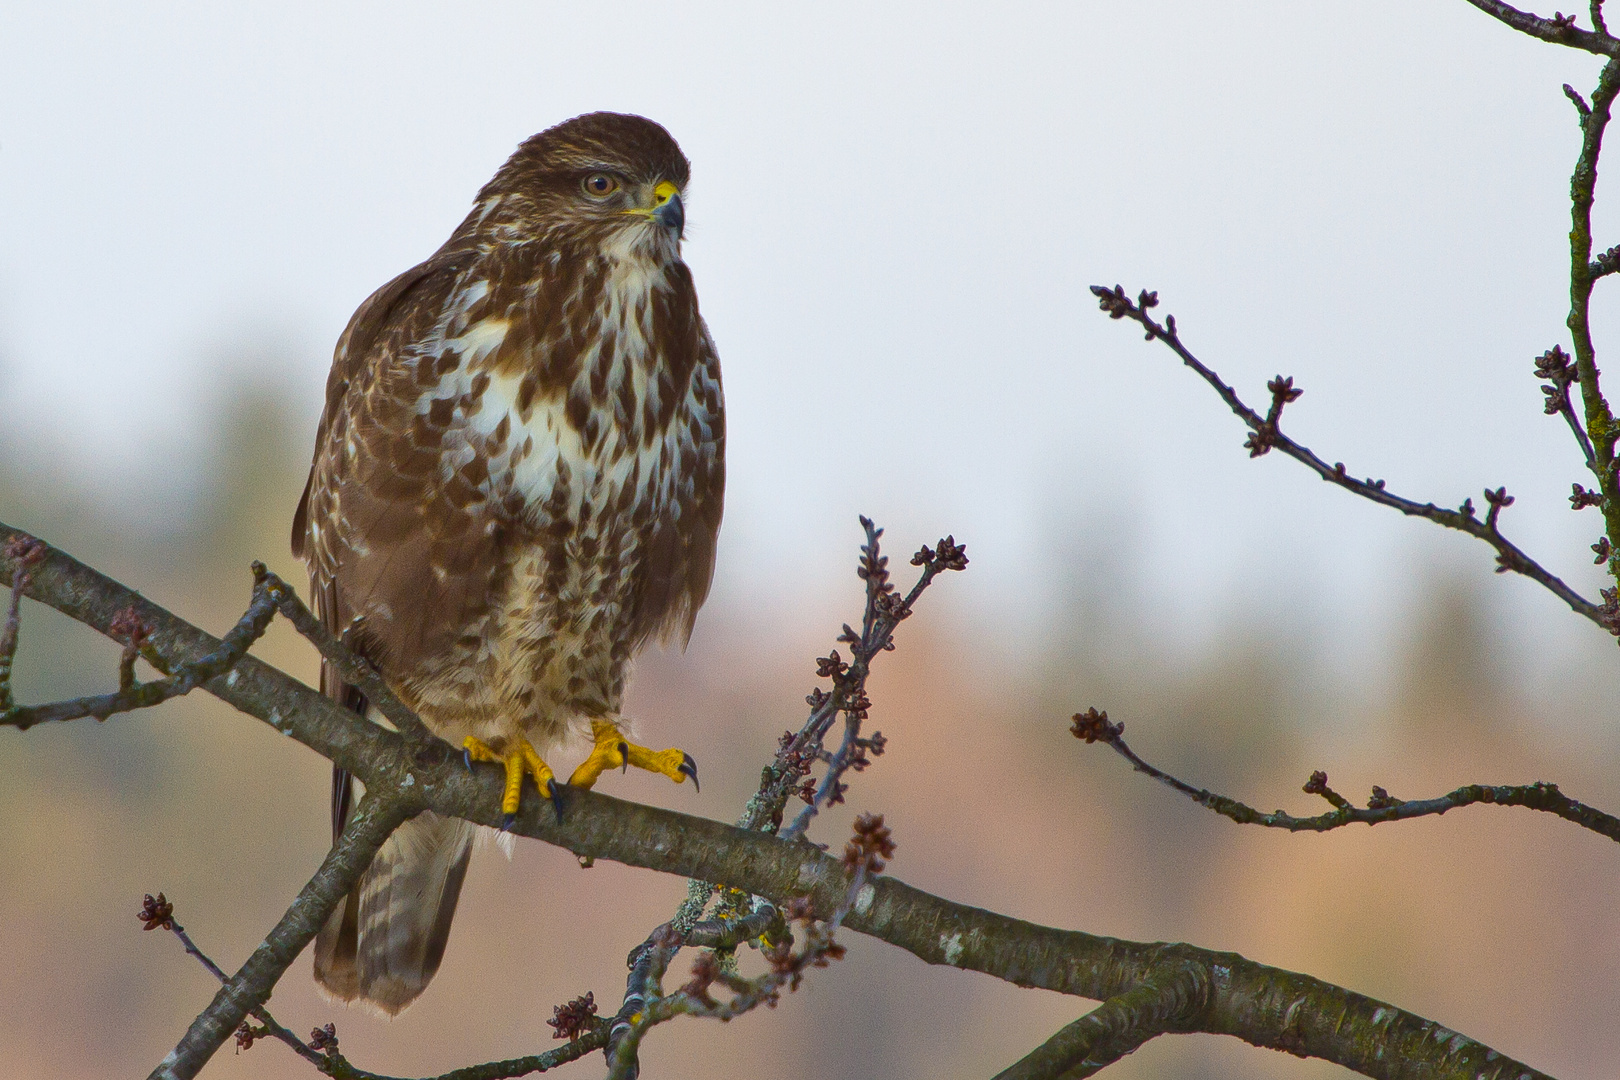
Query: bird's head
<point x="610" y="180"/>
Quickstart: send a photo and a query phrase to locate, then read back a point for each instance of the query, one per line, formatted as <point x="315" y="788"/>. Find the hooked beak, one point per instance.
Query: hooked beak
<point x="668" y="210"/>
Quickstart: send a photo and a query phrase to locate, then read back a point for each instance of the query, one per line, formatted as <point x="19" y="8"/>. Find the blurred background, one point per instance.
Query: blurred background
<point x="894" y="217"/>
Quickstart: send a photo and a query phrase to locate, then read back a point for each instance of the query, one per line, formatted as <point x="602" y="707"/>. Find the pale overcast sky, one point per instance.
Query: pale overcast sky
<point x="894" y="217"/>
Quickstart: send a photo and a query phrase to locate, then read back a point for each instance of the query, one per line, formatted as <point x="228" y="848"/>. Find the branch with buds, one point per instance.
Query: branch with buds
<point x="1265" y="435"/>
<point x="795" y="878"/>
<point x="1093" y="726"/>
<point x="739" y="917"/>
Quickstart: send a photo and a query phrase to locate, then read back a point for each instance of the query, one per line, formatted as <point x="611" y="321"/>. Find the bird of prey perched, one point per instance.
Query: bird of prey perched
<point x="517" y="483"/>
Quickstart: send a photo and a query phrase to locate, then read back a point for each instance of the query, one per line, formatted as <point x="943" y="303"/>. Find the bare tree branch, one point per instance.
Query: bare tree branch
<point x="23" y="551"/>
<point x="885" y="609"/>
<point x="158" y="913"/>
<point x="1558" y="31"/>
<point x="1605" y="264"/>
<point x="186" y="677"/>
<point x="1115" y="1028"/>
<point x="353" y="668"/>
<point x="1094" y="726"/>
<point x="332" y="1063"/>
<point x="797" y="754"/>
<point x="1262" y="1005"/>
<point x="1554" y="365"/>
<point x="323" y="1053"/>
<point x="863" y="857"/>
<point x="373" y="820"/>
<point x="494" y="1070"/>
<point x="1600" y="421"/>
<point x="1265" y="436"/>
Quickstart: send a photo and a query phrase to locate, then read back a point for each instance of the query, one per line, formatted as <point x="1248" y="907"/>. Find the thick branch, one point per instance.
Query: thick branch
<point x="1115" y="1028"/>
<point x="1264" y="1006"/>
<point x="1094" y="726"/>
<point x="1267" y="436"/>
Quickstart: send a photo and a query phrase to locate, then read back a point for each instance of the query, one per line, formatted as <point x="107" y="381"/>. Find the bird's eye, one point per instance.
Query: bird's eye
<point x="600" y="185"/>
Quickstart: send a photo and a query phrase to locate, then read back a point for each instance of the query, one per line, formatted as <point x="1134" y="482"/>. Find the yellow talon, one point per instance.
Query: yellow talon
<point x="614" y="751"/>
<point x="522" y="758"/>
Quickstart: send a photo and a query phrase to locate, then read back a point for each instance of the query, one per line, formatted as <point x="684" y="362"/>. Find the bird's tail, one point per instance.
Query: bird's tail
<point x="384" y="942"/>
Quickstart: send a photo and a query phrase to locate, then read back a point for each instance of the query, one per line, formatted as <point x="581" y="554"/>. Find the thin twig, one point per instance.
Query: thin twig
<point x="339" y="1067"/>
<point x="1556" y="367"/>
<point x="1266" y="436"/>
<point x="354" y="669"/>
<point x="183" y="680"/>
<point x="373" y="820"/>
<point x="645" y="1008"/>
<point x="157" y="912"/>
<point x="647" y="966"/>
<point x="730" y="933"/>
<point x="885" y="610"/>
<point x="1094" y="726"/>
<point x="1605" y="264"/>
<point x="23" y="551"/>
<point x="797" y="754"/>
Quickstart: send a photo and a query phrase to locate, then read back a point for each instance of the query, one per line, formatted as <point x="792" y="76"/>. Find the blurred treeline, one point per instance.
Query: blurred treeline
<point x="1501" y="923"/>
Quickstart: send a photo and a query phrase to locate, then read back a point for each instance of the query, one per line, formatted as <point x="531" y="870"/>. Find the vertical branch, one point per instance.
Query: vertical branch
<point x="1600" y="422"/>
<point x="23" y="551"/>
<point x="248" y="989"/>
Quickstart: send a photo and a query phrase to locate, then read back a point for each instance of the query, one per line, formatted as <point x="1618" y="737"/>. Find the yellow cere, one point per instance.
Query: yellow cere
<point x="662" y="193"/>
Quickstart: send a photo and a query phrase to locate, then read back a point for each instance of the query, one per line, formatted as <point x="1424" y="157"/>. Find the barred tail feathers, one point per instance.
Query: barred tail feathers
<point x="383" y="944"/>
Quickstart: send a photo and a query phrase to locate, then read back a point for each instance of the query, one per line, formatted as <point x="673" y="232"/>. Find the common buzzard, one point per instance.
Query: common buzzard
<point x="517" y="483"/>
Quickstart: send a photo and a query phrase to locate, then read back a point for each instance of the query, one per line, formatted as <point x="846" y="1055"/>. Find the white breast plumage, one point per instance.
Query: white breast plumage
<point x="530" y="447"/>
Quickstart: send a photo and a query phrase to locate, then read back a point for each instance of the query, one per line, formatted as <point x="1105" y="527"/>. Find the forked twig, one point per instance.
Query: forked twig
<point x="863" y="859"/>
<point x="1265" y="435"/>
<point x="1115" y="1028"/>
<point x="353" y="668"/>
<point x="1094" y="726"/>
<point x="131" y="695"/>
<point x="744" y="918"/>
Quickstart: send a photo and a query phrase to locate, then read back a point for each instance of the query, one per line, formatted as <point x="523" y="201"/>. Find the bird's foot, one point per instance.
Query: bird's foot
<point x="520" y="758"/>
<point x="614" y="751"/>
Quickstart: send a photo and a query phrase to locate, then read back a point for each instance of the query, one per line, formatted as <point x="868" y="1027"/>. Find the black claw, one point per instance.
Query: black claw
<point x="507" y="821"/>
<point x="554" y="792"/>
<point x="689" y="767"/>
<point x="624" y="752"/>
<point x="466" y="756"/>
